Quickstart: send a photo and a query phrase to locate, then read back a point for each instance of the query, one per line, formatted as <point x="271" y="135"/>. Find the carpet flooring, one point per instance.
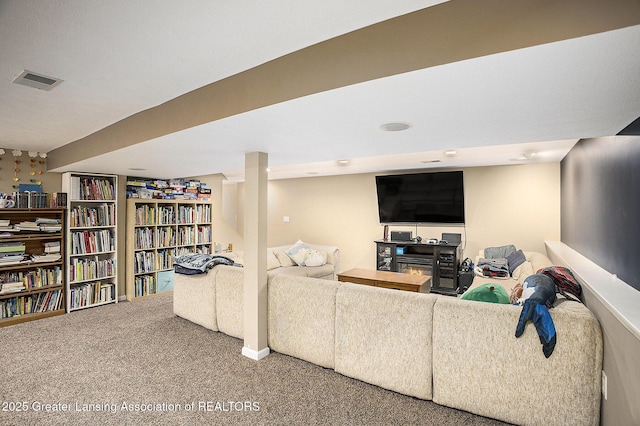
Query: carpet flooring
<point x="136" y="363"/>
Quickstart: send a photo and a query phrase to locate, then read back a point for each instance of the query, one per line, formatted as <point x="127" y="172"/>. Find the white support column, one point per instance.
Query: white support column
<point x="255" y="256"/>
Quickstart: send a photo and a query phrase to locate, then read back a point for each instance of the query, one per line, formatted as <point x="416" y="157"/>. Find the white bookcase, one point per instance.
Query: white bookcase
<point x="157" y="231"/>
<point x="91" y="254"/>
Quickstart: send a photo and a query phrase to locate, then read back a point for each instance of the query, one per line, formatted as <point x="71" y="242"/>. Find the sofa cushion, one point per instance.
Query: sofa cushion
<point x="383" y="337"/>
<point x="284" y="259"/>
<point x="230" y="300"/>
<point x="298" y="252"/>
<point x="481" y="367"/>
<point x="194" y="298"/>
<point x="324" y="271"/>
<point x="272" y="260"/>
<point x="302" y="318"/>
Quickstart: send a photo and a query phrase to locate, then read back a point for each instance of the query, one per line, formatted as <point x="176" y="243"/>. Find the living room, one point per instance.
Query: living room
<point x="521" y="202"/>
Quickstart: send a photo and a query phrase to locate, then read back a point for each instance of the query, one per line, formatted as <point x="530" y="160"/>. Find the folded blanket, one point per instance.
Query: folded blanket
<point x="198" y="263"/>
<point x="494" y="268"/>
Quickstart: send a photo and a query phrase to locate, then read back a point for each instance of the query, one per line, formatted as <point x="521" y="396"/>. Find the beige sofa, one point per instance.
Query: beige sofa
<point x="458" y="353"/>
<point x="279" y="263"/>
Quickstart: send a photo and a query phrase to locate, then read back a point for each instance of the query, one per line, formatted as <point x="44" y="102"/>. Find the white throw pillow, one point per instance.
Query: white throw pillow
<point x="298" y="252"/>
<point x="315" y="258"/>
<point x="284" y="259"/>
<point x="272" y="261"/>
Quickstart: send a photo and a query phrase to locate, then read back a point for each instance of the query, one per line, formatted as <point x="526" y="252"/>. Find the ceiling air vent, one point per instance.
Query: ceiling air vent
<point x="37" y="81"/>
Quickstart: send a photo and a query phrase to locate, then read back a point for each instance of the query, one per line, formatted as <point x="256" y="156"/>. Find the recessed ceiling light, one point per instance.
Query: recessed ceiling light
<point x="525" y="156"/>
<point x="395" y="126"/>
<point x="268" y="169"/>
<point x="137" y="169"/>
<point x="343" y="162"/>
<point x="430" y="161"/>
<point x="450" y="152"/>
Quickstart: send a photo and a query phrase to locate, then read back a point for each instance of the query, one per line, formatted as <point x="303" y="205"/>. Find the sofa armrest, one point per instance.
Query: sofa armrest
<point x="333" y="257"/>
<point x="481" y="367"/>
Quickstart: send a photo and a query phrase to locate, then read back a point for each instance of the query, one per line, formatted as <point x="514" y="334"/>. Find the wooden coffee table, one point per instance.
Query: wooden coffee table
<point x="386" y="279"/>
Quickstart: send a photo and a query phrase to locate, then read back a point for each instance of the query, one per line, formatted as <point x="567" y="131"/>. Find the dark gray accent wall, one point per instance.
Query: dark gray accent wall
<point x="632" y="129"/>
<point x="600" y="204"/>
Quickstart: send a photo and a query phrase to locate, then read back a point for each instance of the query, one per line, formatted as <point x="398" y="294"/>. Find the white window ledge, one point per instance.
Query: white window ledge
<point x="621" y="299"/>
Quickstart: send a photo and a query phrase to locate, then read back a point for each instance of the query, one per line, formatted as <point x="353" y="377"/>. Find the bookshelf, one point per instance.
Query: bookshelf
<point x="91" y="254"/>
<point x="31" y="264"/>
<point x="157" y="231"/>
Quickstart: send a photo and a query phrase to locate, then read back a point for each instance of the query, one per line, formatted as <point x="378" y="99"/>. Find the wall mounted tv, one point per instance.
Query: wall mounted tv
<point x="427" y="198"/>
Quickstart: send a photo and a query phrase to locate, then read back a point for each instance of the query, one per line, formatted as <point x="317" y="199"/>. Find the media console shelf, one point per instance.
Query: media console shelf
<point x="440" y="261"/>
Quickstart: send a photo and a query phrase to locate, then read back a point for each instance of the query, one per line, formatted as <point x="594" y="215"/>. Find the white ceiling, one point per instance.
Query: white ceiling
<point x="121" y="57"/>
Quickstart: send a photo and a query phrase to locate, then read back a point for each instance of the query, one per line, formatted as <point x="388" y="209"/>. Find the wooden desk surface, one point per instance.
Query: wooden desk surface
<point x="386" y="278"/>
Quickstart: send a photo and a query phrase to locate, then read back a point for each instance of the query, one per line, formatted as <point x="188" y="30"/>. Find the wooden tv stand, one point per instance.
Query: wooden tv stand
<point x="385" y="279"/>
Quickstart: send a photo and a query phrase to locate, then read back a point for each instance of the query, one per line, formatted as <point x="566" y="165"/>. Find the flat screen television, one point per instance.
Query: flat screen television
<point x="428" y="198"/>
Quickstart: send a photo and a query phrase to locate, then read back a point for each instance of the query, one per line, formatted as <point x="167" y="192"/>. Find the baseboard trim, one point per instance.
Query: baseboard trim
<point x="255" y="355"/>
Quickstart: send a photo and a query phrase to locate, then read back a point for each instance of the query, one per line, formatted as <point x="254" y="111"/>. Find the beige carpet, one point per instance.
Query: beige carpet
<point x="137" y="363"/>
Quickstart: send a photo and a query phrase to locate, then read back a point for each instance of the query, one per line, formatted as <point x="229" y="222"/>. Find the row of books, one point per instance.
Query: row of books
<point x="204" y="234"/>
<point x="144" y="238"/>
<point x="92" y="188"/>
<point x="91" y="293"/>
<point x="87" y="242"/>
<point x="82" y="216"/>
<point x="34" y="278"/>
<point x="165" y="259"/>
<point x="149" y="238"/>
<point x="144" y="285"/>
<point x="145" y="262"/>
<point x="89" y="269"/>
<point x="194" y="214"/>
<point x="32" y="303"/>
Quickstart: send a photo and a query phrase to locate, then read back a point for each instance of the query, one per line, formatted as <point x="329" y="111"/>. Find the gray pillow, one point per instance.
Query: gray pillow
<point x="514" y="260"/>
<point x="499" y="252"/>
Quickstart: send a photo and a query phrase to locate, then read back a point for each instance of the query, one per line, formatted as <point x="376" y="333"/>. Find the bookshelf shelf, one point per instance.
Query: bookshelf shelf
<point x="91" y="239"/>
<point x="157" y="231"/>
<point x="31" y="285"/>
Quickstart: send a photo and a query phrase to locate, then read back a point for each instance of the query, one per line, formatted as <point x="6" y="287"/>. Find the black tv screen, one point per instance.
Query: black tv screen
<point x="421" y="198"/>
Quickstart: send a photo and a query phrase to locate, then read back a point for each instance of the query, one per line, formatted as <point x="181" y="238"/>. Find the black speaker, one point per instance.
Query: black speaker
<point x="401" y="235"/>
<point x="386" y="232"/>
<point x="452" y="238"/>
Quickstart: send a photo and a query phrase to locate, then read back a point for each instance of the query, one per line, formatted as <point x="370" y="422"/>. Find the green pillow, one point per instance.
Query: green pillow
<point x="492" y="293"/>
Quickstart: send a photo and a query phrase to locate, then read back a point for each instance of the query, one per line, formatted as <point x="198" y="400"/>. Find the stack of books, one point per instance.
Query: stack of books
<point x="11" y="287"/>
<point x="11" y="252"/>
<point x="50" y="252"/>
<point x="48" y="225"/>
<point x="27" y="226"/>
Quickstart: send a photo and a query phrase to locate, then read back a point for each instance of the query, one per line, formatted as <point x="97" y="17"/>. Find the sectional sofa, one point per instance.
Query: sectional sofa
<point x="457" y="353"/>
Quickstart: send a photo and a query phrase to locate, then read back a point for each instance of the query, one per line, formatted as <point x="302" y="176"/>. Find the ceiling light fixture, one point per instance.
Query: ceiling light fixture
<point x="395" y="126"/>
<point x="343" y="162"/>
<point x="525" y="156"/>
<point x="450" y="152"/>
<point x="137" y="169"/>
<point x="430" y="161"/>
